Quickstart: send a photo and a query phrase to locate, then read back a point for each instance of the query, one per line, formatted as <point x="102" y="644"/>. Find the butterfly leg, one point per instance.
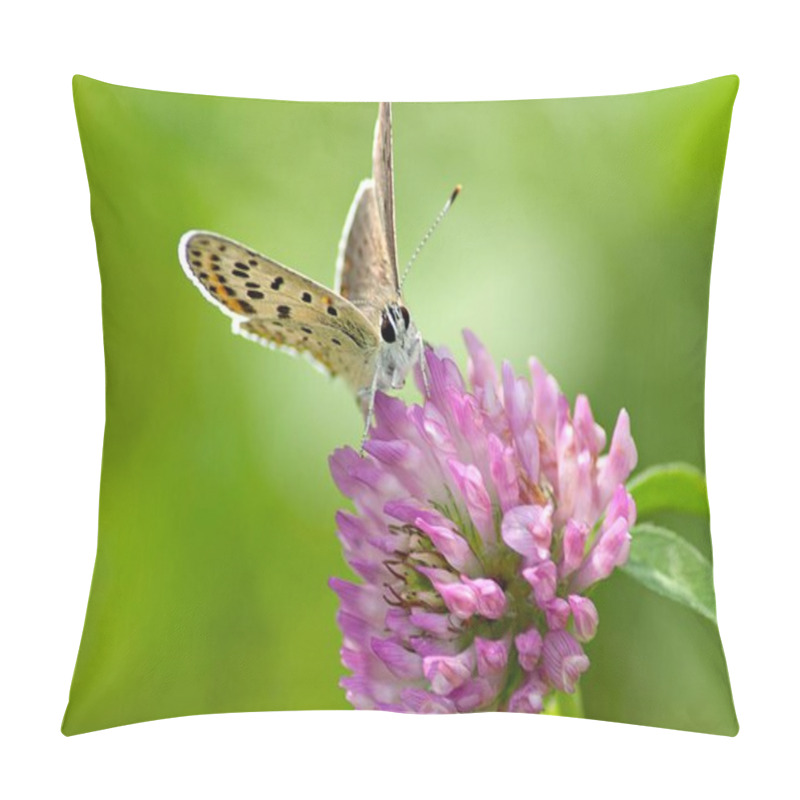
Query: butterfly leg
<point x="370" y="410"/>
<point x="423" y="363"/>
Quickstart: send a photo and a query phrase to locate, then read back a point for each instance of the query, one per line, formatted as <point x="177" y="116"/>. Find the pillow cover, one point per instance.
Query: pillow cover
<point x="583" y="238"/>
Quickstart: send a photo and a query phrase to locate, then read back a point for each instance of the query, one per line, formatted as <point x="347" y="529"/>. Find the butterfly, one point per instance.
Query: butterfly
<point x="359" y="330"/>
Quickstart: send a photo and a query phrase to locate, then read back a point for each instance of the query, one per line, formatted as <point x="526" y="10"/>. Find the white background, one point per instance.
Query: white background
<point x="52" y="385"/>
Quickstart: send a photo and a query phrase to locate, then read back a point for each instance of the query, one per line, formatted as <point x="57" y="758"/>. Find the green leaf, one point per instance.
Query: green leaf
<point x="668" y="565"/>
<point x="670" y="487"/>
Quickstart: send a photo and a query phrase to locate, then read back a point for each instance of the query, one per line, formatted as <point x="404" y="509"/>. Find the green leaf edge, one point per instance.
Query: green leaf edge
<point x="661" y="582"/>
<point x="684" y="483"/>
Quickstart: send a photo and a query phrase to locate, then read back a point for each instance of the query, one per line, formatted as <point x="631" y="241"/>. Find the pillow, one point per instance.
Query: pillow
<point x="583" y="238"/>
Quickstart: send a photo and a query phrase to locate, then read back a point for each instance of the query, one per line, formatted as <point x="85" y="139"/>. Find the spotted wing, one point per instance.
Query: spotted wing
<point x="278" y="307"/>
<point x="365" y="274"/>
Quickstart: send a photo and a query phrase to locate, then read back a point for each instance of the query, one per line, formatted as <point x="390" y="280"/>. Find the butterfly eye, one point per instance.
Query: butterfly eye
<point x="406" y="316"/>
<point x="387" y="330"/>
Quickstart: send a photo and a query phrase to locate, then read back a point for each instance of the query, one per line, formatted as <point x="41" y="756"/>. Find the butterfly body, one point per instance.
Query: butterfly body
<point x="359" y="330"/>
<point x="400" y="349"/>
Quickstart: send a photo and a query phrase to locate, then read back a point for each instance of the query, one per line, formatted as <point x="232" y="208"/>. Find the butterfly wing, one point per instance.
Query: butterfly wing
<point x="366" y="270"/>
<point x="383" y="175"/>
<point x="280" y="308"/>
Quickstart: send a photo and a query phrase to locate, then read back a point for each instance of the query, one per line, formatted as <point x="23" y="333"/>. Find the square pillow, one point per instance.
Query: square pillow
<point x="583" y="237"/>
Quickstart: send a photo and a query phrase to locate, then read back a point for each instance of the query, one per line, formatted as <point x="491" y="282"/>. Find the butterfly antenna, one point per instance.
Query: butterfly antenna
<point x="439" y="218"/>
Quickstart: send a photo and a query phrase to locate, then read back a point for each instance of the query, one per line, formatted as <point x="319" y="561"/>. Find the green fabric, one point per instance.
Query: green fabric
<point x="583" y="236"/>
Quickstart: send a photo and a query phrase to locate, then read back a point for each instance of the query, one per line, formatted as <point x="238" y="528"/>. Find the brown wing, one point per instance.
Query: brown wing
<point x="281" y="308"/>
<point x="364" y="273"/>
<point x="383" y="175"/>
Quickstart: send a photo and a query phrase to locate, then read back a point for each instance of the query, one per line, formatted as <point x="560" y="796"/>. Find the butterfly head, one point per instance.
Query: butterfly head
<point x="395" y="323"/>
<point x="400" y="348"/>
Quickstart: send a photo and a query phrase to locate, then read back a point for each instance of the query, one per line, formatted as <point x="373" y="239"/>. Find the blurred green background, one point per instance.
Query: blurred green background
<point x="583" y="236"/>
